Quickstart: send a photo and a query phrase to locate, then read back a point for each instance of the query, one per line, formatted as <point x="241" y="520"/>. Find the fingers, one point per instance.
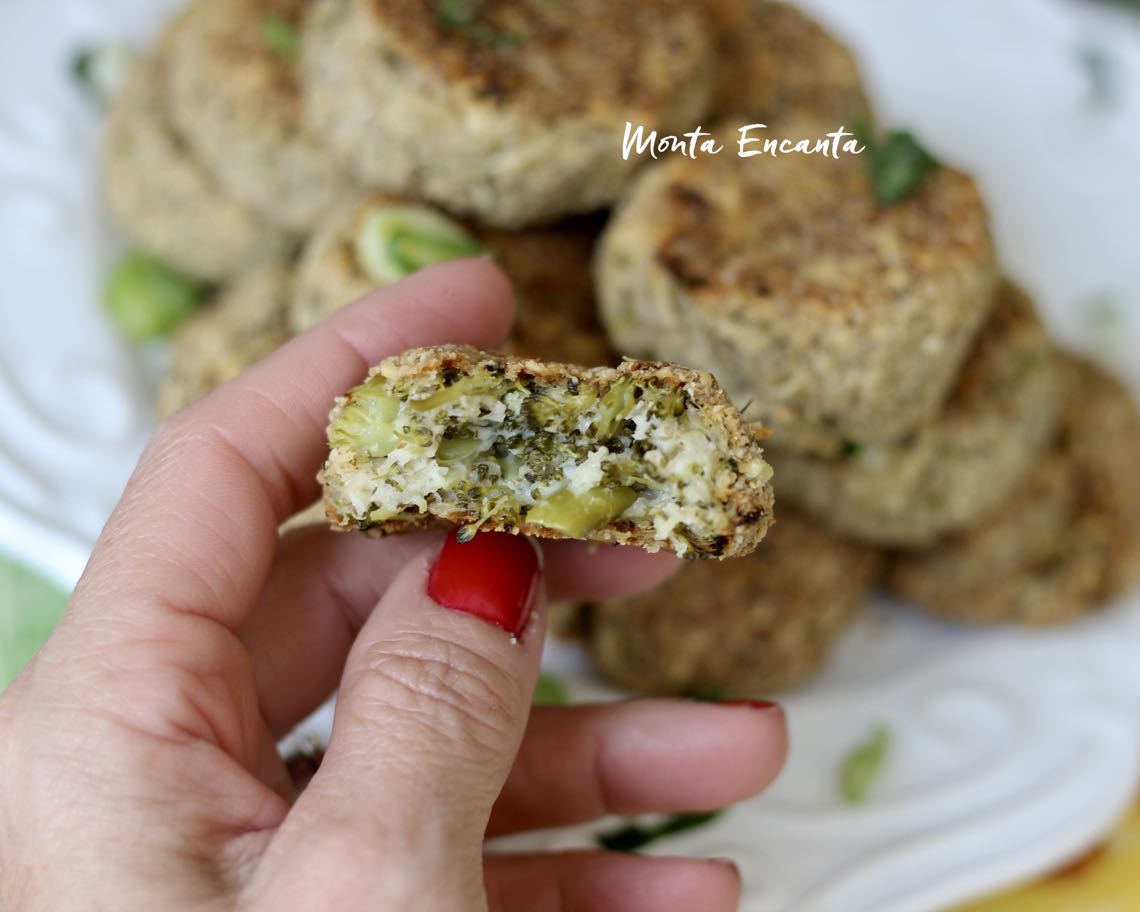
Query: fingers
<point x="321" y="590"/>
<point x="605" y="882"/>
<point x="323" y="586"/>
<point x="582" y="763"/>
<point x="430" y="713"/>
<point x="198" y="521"/>
<point x="583" y="571"/>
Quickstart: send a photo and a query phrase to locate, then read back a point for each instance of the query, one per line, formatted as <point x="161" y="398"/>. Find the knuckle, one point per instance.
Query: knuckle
<point x="437" y="682"/>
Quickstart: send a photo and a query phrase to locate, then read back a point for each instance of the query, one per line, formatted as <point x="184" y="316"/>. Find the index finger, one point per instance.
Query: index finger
<point x="197" y="524"/>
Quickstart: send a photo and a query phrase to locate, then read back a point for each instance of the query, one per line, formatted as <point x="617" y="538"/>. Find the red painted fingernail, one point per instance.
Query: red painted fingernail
<point x="761" y="705"/>
<point x="494" y="577"/>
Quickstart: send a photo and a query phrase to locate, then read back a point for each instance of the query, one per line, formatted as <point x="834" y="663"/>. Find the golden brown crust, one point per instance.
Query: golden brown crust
<point x="542" y="111"/>
<point x="745" y="505"/>
<point x="1066" y="542"/>
<point x="775" y="61"/>
<point x="805" y="232"/>
<point x="551" y="58"/>
<point x="741" y="629"/>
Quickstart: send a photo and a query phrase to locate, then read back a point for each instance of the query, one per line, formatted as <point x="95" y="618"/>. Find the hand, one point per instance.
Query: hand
<point x="138" y="767"/>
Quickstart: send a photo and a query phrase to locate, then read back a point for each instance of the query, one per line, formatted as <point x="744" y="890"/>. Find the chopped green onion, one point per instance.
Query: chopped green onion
<point x="1103" y="78"/>
<point x="634" y="836"/>
<point x="462" y="17"/>
<point x="101" y="70"/>
<point x="549" y="691"/>
<point x="863" y="766"/>
<point x="396" y="241"/>
<point x="897" y="165"/>
<point x="456" y="13"/>
<point x="281" y="36"/>
<point x="147" y="299"/>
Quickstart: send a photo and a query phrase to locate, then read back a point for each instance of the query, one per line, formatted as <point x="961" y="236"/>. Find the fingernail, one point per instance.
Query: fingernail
<point x="493" y="577"/>
<point x="758" y="705"/>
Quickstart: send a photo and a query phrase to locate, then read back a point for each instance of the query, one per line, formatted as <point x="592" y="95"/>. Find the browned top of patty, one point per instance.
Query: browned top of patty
<point x="804" y="230"/>
<point x="774" y="60"/>
<point x="233" y="39"/>
<point x="552" y="56"/>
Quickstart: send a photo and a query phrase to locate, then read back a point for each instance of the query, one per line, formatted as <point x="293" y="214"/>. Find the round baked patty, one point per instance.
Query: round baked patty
<point x="1066" y="542"/>
<point x="512" y="111"/>
<point x="834" y="318"/>
<point x="955" y="469"/>
<point x="740" y="628"/>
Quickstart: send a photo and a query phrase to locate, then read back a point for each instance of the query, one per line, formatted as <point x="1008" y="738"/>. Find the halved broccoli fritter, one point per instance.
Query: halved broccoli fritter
<point x="646" y="454"/>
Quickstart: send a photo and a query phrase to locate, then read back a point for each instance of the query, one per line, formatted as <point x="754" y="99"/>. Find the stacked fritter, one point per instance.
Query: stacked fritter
<point x="291" y="156"/>
<point x="920" y="411"/>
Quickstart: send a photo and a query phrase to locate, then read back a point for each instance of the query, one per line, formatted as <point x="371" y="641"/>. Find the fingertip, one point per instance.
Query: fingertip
<point x="766" y="740"/>
<point x="583" y="570"/>
<point x="665" y="882"/>
<point x="474" y="295"/>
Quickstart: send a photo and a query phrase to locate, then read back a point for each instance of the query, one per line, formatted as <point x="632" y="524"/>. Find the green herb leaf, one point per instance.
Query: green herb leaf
<point x="897" y="164"/>
<point x="456" y="13"/>
<point x="82" y="64"/>
<point x="549" y="691"/>
<point x="147" y="299"/>
<point x="281" y="36"/>
<point x="30" y="607"/>
<point x="1102" y="74"/>
<point x="849" y="449"/>
<point x="462" y="16"/>
<point x="634" y="836"/>
<point x="863" y="766"/>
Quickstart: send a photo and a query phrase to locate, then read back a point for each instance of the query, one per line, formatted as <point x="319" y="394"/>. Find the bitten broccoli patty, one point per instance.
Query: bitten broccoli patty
<point x="646" y="454"/>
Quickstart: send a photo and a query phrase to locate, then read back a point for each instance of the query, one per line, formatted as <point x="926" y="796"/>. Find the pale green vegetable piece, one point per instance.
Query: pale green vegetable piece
<point x="577" y="514"/>
<point x="367" y="423"/>
<point x="30" y="607"/>
<point x="396" y="241"/>
<point x="457" y="449"/>
<point x="465" y="386"/>
<point x="862" y="767"/>
<point x="147" y="299"/>
<point x="102" y="70"/>
<point x="281" y="36"/>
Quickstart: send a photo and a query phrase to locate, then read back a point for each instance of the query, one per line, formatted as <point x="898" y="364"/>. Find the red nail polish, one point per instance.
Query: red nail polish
<point x="494" y="577"/>
<point x="760" y="705"/>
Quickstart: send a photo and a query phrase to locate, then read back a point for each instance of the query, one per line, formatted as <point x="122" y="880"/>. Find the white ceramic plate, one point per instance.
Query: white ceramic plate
<point x="1011" y="749"/>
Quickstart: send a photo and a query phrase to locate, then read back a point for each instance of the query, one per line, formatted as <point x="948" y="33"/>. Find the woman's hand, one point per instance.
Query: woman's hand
<point x="138" y="767"/>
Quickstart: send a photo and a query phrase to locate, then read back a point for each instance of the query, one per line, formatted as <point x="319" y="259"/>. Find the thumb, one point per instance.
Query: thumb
<point x="432" y="708"/>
